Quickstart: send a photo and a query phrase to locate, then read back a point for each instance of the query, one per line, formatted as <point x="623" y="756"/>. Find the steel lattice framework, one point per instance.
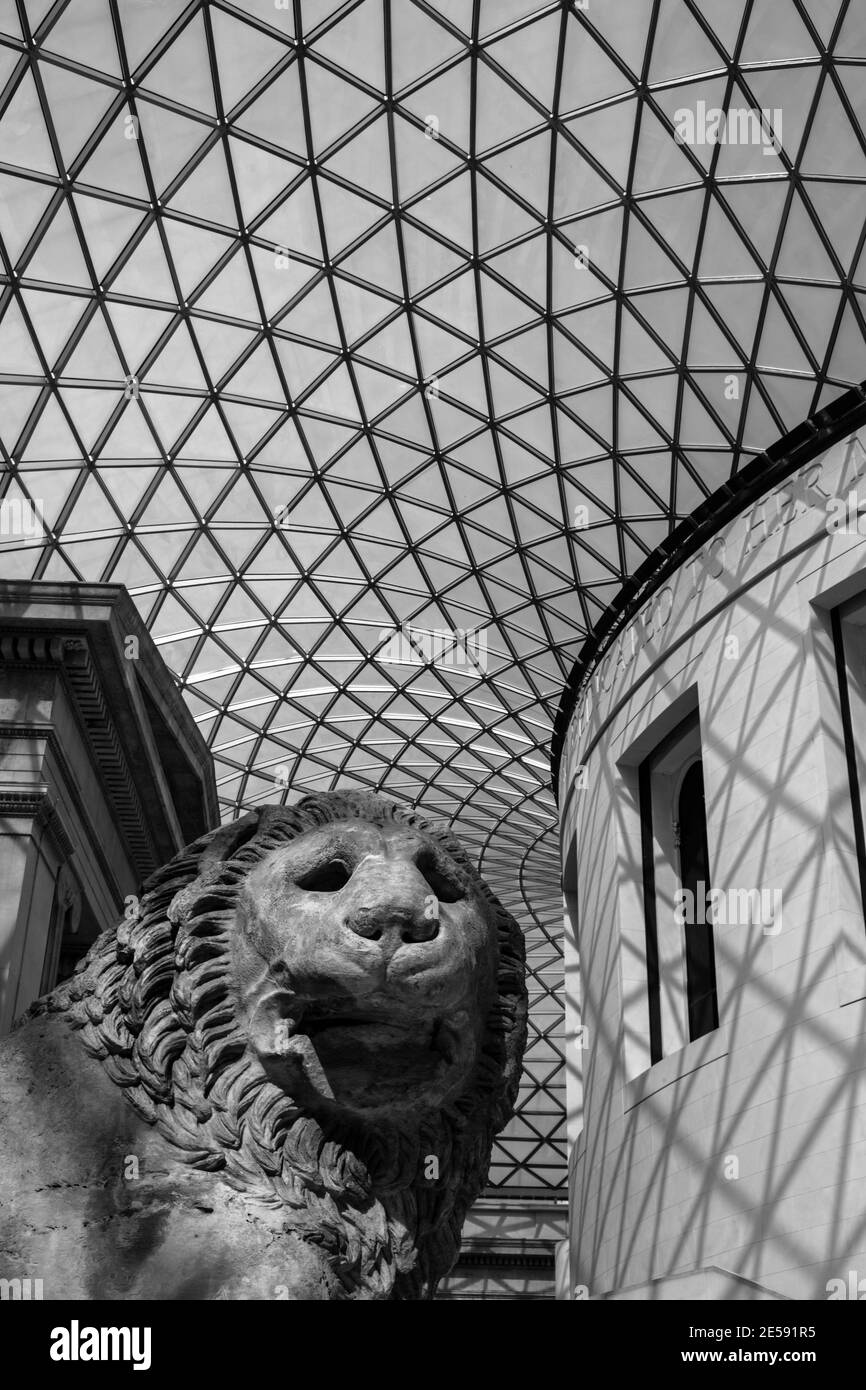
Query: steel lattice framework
<point x="322" y="321"/>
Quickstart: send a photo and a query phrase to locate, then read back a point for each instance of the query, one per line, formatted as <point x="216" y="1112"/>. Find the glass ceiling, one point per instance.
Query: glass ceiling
<point x="323" y="322"/>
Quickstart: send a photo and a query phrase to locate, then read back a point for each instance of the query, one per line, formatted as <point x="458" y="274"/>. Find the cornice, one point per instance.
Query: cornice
<point x="36" y="804"/>
<point x="503" y="1259"/>
<point x="71" y="658"/>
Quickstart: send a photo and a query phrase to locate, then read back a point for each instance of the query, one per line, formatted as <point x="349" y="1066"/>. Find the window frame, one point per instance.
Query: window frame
<point x="670" y="992"/>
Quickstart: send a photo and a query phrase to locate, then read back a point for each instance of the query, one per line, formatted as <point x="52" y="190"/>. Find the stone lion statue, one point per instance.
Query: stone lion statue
<point x="280" y="1076"/>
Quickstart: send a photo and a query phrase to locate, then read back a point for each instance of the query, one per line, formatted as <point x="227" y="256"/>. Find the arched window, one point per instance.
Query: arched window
<point x="680" y="958"/>
<point x="703" y="1008"/>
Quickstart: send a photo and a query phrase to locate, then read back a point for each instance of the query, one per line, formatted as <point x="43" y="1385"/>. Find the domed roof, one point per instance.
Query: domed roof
<point x="372" y="345"/>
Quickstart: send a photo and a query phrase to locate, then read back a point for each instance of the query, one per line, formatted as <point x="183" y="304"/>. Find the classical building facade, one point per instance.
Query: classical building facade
<point x="711" y="785"/>
<point x="103" y="775"/>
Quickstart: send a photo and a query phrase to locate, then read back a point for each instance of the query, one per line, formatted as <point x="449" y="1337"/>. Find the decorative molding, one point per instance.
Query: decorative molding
<point x="30" y="649"/>
<point x="114" y="769"/>
<point x="37" y="805"/>
<point x="72" y="658"/>
<point x="515" y="1261"/>
<point x="27" y="731"/>
<point x="105" y="615"/>
<point x="49" y="733"/>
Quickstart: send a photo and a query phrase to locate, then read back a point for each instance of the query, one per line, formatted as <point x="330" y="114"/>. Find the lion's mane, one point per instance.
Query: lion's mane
<point x="154" y="1004"/>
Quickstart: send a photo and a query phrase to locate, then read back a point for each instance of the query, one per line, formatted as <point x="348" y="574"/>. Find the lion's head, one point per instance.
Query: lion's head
<point x="326" y="1003"/>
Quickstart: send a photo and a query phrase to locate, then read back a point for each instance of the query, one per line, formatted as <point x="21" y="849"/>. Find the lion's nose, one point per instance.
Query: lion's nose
<point x="394" y="926"/>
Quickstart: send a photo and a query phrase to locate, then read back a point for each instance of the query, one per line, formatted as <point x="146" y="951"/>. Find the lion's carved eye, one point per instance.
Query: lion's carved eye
<point x="447" y="889"/>
<point x="326" y="878"/>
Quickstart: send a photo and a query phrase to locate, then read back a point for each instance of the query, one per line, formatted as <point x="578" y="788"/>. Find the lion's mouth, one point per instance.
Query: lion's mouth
<point x="371" y="1060"/>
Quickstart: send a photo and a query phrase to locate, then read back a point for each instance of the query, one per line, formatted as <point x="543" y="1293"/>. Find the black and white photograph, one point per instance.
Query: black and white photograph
<point x="433" y="669"/>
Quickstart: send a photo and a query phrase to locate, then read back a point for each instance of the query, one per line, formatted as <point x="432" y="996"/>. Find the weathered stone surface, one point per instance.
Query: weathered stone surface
<point x="279" y="1078"/>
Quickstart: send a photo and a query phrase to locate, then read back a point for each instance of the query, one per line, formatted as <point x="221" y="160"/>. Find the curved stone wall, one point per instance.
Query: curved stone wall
<point x="732" y="1165"/>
